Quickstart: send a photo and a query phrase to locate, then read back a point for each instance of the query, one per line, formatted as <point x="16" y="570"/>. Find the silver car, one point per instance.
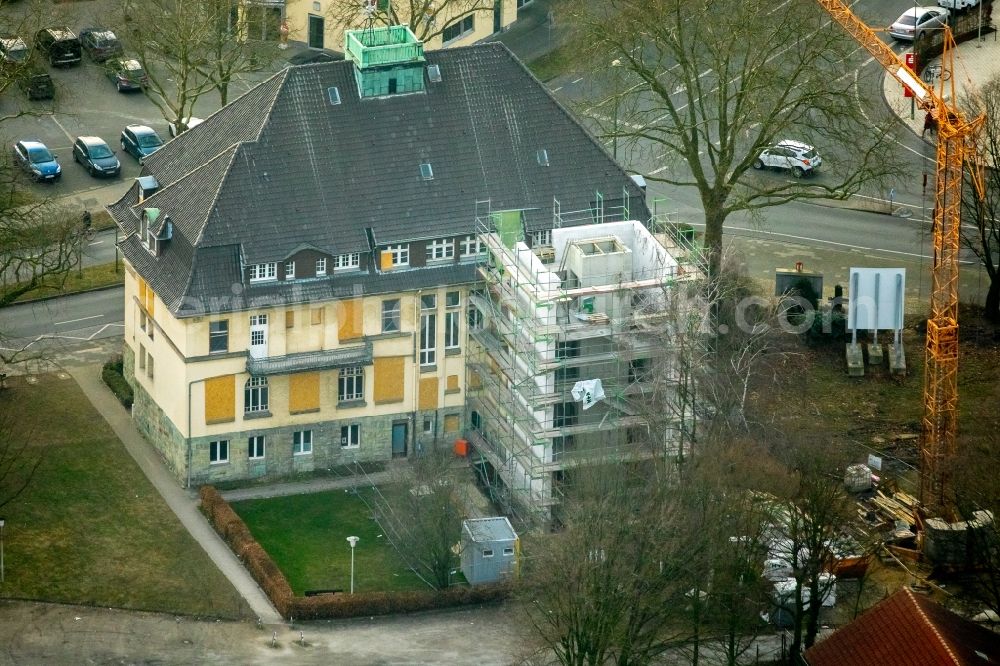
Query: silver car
<point x="916" y="21"/>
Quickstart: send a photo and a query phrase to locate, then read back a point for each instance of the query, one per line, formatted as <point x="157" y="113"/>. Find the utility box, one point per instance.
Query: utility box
<point x="490" y="550"/>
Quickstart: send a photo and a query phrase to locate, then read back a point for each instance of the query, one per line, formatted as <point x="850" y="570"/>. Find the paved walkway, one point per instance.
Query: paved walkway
<point x="976" y="62"/>
<point x="180" y="502"/>
<point x="304" y="487"/>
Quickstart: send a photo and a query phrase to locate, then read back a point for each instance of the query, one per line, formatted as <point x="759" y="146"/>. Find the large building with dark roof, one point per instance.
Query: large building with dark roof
<point x="299" y="265"/>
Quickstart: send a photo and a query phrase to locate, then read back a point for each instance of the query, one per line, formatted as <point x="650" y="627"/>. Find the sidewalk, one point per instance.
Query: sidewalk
<point x="183" y="505"/>
<point x="976" y="62"/>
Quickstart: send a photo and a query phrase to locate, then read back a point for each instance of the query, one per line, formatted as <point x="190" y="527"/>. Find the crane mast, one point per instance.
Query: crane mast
<point x="955" y="144"/>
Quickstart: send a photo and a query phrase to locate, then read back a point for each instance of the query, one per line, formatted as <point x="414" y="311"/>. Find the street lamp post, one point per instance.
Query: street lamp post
<point x="1" y="550"/>
<point x="614" y="145"/>
<point x="353" y="540"/>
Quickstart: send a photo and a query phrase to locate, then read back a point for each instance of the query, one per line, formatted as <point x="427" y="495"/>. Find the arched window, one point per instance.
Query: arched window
<point x="255" y="395"/>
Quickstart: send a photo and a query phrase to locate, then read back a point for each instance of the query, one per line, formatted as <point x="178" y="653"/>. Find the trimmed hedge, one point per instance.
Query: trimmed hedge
<point x="328" y="606"/>
<point x="113" y="375"/>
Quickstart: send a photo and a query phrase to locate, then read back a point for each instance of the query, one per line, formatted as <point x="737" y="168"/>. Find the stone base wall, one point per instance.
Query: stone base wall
<point x="154" y="425"/>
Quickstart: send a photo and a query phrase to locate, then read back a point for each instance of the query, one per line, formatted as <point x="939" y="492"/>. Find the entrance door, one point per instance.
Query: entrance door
<point x="398" y="440"/>
<point x="258" y="336"/>
<point x="315" y="32"/>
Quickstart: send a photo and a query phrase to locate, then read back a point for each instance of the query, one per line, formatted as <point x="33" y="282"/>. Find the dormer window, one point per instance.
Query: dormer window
<point x="289" y="270"/>
<point x="153" y="231"/>
<point x="349" y="261"/>
<point x="321" y="267"/>
<point x="440" y="249"/>
<point x="262" y="272"/>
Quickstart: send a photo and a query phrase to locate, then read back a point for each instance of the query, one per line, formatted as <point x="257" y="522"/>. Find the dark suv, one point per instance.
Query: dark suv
<point x="36" y="84"/>
<point x="59" y="45"/>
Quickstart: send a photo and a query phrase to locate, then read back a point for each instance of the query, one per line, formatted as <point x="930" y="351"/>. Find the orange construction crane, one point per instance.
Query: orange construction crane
<point x="956" y="144"/>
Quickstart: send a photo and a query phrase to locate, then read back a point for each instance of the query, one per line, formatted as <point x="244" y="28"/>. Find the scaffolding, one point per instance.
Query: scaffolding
<point x="582" y="298"/>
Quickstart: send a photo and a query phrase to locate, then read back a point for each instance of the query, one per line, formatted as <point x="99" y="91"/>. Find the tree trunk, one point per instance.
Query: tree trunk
<point x="714" y="219"/>
<point x="992" y="305"/>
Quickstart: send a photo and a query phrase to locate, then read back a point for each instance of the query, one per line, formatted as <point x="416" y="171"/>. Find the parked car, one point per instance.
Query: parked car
<point x="140" y="141"/>
<point x="13" y="51"/>
<point x="100" y="43"/>
<point x="802" y="159"/>
<point x="37" y="161"/>
<point x="95" y="155"/>
<point x="957" y="5"/>
<point x="190" y="123"/>
<point x="126" y="74"/>
<point x="36" y="84"/>
<point x="59" y="45"/>
<point x="915" y="21"/>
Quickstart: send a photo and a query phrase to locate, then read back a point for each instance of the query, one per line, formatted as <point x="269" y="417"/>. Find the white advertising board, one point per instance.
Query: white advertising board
<point x="876" y="299"/>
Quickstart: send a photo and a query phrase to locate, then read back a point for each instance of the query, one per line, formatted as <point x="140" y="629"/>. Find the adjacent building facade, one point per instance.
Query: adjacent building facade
<point x="321" y="23"/>
<point x="300" y="267"/>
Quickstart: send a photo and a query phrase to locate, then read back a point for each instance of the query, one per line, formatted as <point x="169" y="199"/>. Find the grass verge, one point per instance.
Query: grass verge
<point x="91" y="277"/>
<point x="552" y="64"/>
<point x="91" y="529"/>
<point x="306" y="536"/>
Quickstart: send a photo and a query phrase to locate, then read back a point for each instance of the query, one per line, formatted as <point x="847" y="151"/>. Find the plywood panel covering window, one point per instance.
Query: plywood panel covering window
<point x="452" y="385"/>
<point x="451" y="423"/>
<point x="474" y="380"/>
<point x="428" y="393"/>
<point x="350" y="319"/>
<point x="220" y="399"/>
<point x="389" y="379"/>
<point x="303" y="392"/>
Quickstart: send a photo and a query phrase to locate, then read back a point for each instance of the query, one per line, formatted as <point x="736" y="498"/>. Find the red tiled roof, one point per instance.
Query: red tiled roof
<point x="907" y="630"/>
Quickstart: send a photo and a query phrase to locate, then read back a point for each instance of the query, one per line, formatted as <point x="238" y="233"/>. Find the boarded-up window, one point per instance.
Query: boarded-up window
<point x="452" y="384"/>
<point x="474" y="380"/>
<point x="303" y="392"/>
<point x="289" y="318"/>
<point x="146" y="296"/>
<point x="428" y="393"/>
<point x="451" y="423"/>
<point x="317" y="316"/>
<point x="220" y="399"/>
<point x="349" y="319"/>
<point x="389" y="380"/>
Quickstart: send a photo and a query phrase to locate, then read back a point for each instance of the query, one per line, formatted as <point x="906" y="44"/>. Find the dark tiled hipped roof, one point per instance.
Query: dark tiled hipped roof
<point x="907" y="630"/>
<point x="281" y="168"/>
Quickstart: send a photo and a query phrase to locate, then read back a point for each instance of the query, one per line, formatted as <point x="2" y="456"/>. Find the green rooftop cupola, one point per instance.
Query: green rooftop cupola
<point x="388" y="60"/>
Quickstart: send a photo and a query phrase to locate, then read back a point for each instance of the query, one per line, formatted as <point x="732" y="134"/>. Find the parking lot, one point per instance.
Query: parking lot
<point x="87" y="103"/>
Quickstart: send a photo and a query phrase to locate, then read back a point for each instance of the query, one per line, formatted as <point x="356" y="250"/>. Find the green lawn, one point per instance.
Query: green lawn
<point x="306" y="535"/>
<point x="91" y="529"/>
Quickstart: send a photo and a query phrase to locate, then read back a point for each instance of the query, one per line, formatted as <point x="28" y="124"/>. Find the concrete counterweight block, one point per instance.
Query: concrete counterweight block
<point x="875" y="354"/>
<point x="855" y="360"/>
<point x="897" y="360"/>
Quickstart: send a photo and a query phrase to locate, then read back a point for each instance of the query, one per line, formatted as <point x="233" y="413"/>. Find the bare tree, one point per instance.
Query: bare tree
<point x="426" y="18"/>
<point x="188" y="49"/>
<point x="984" y="214"/>
<point x="19" y="460"/>
<point x="421" y="514"/>
<point x="702" y="88"/>
<point x="39" y="243"/>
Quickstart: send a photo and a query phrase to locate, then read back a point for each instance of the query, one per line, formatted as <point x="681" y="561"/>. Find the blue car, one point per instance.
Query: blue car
<point x="140" y="141"/>
<point x="95" y="156"/>
<point x="37" y="161"/>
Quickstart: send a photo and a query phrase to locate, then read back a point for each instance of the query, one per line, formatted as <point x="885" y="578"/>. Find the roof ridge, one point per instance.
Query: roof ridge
<point x="933" y="627"/>
<point x="235" y="148"/>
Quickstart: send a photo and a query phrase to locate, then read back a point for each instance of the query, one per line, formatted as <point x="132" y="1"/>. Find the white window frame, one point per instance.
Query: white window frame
<point x="256" y="447"/>
<point x="472" y="246"/>
<point x="353" y="378"/>
<point x="321" y="267"/>
<point x="441" y="249"/>
<point x="541" y="238"/>
<point x="452" y="330"/>
<point x="508" y="551"/>
<point x="350" y="436"/>
<point x="302" y="443"/>
<point x="346" y="262"/>
<point x="218" y="335"/>
<point x="289" y="270"/>
<point x="400" y="254"/>
<point x="218" y="452"/>
<point x="255" y="386"/>
<point x="466" y="25"/>
<point x="264" y="272"/>
<point x="394" y="314"/>
<point x="487" y="552"/>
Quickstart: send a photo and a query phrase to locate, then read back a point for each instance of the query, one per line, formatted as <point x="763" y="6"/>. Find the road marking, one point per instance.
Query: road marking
<point x="59" y="125"/>
<point x="72" y="321"/>
<point x="95" y="243"/>
<point x="656" y="171"/>
<point x="577" y="81"/>
<point x="555" y="90"/>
